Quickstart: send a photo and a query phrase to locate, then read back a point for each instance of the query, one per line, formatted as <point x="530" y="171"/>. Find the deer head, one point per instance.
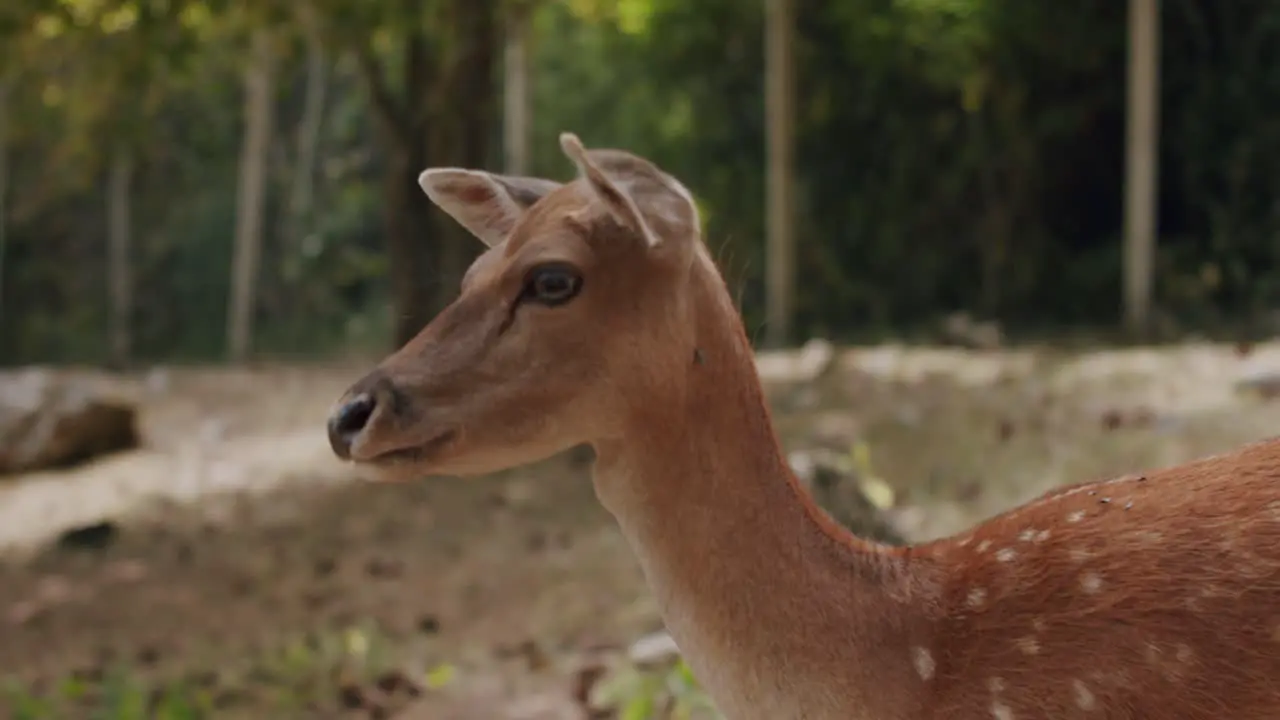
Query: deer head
<point x="575" y="315"/>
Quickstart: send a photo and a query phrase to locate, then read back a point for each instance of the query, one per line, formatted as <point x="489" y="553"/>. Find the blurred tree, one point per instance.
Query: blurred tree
<point x="515" y="86"/>
<point x="302" y="184"/>
<point x="436" y="108"/>
<point x="4" y="181"/>
<point x="949" y="154"/>
<point x="119" y="253"/>
<point x="779" y="111"/>
<point x="1142" y="162"/>
<point x="259" y="119"/>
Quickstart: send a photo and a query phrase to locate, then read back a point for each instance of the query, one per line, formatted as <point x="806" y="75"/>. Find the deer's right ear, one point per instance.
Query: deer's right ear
<point x="487" y="205"/>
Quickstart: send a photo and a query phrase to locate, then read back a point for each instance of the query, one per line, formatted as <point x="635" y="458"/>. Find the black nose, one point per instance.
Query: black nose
<point x="346" y="423"/>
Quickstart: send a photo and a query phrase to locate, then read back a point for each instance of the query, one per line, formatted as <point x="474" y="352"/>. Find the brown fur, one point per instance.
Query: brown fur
<point x="1151" y="597"/>
<point x="1159" y="594"/>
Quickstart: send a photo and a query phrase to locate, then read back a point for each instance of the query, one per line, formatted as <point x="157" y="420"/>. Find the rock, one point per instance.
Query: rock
<point x="961" y="329"/>
<point x="653" y="650"/>
<point x="158" y="381"/>
<point x="1265" y="386"/>
<point x="53" y="419"/>
<point x="816" y="358"/>
<point x="838" y="490"/>
<point x="805" y="365"/>
<point x="834" y="429"/>
<point x="94" y="536"/>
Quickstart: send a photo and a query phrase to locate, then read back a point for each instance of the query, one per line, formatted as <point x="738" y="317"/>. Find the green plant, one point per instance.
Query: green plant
<point x="667" y="693"/>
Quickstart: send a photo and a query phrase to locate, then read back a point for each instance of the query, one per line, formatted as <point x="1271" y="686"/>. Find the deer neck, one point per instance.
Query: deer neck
<point x="766" y="597"/>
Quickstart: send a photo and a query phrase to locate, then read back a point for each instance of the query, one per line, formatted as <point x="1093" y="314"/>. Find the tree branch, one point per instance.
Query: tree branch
<point x="386" y="109"/>
<point x="421" y="77"/>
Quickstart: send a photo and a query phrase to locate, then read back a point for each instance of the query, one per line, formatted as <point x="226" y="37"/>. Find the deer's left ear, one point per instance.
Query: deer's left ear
<point x="639" y="195"/>
<point x="487" y="205"/>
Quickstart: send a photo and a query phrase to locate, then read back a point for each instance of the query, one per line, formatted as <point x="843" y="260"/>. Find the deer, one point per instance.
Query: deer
<point x="597" y="316"/>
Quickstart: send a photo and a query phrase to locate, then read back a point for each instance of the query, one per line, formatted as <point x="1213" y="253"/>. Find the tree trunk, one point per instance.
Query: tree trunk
<point x="780" y="270"/>
<point x="251" y="200"/>
<point x="1142" y="164"/>
<point x="460" y="126"/>
<point x="515" y="90"/>
<point x="443" y="116"/>
<point x="408" y="227"/>
<point x="119" y="263"/>
<point x="4" y="188"/>
<point x="302" y="184"/>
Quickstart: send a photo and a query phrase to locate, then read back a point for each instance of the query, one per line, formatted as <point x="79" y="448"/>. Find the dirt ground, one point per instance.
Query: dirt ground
<point x="238" y="536"/>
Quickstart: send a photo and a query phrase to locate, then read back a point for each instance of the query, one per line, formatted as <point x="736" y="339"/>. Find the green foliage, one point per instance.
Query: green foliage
<point x="668" y="693"/>
<point x="119" y="696"/>
<point x="952" y="154"/>
<point x="296" y="679"/>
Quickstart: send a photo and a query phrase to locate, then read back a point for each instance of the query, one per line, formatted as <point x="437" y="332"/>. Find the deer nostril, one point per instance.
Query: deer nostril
<point x="348" y="421"/>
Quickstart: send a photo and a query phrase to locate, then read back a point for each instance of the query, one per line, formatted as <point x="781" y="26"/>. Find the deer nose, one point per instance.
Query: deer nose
<point x="348" y="421"/>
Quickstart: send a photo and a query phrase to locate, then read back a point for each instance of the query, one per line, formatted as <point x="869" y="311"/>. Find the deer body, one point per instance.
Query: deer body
<point x="598" y="316"/>
<point x="1146" y="596"/>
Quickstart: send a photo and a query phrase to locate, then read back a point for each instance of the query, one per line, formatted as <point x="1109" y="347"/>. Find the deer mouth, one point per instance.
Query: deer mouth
<point x="414" y="454"/>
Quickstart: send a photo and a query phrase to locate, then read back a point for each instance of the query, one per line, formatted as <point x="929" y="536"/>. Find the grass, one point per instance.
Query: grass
<point x="313" y="676"/>
<point x="317" y="677"/>
<point x="119" y="695"/>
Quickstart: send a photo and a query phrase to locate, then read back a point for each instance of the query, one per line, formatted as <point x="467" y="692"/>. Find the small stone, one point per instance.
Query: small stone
<point x="653" y="650"/>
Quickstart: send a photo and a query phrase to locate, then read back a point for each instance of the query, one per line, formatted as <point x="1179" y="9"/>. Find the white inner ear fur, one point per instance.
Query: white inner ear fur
<point x="475" y="199"/>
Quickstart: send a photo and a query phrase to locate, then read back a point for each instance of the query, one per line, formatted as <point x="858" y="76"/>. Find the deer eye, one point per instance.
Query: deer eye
<point x="552" y="285"/>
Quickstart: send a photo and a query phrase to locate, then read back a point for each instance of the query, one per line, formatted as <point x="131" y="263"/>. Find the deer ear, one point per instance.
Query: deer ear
<point x="637" y="193"/>
<point x="487" y="205"/>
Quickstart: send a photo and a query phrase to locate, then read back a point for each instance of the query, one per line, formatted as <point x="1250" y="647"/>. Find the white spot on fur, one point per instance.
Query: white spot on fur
<point x="982" y="546"/>
<point x="1084" y="696"/>
<point x="1006" y="555"/>
<point x="1151" y="537"/>
<point x="977" y="596"/>
<point x="1111" y="678"/>
<point x="923" y="660"/>
<point x="1075" y="517"/>
<point x="1033" y="535"/>
<point x="1029" y="645"/>
<point x="1080" y="555"/>
<point x="1172" y="668"/>
<point x="1063" y="495"/>
<point x="1152" y="653"/>
<point x="964" y="542"/>
<point x="1091" y="582"/>
<point x="1184" y="653"/>
<point x="999" y="710"/>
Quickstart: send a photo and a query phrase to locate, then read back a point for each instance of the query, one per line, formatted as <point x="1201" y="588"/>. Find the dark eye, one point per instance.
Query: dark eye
<point x="552" y="284"/>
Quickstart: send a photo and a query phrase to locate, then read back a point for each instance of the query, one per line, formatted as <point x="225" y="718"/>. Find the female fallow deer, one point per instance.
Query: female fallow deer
<point x="598" y="316"/>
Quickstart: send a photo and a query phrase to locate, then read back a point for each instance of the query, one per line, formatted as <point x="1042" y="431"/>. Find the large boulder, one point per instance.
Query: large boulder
<point x="53" y="419"/>
<point x="839" y="490"/>
<point x="961" y="329"/>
